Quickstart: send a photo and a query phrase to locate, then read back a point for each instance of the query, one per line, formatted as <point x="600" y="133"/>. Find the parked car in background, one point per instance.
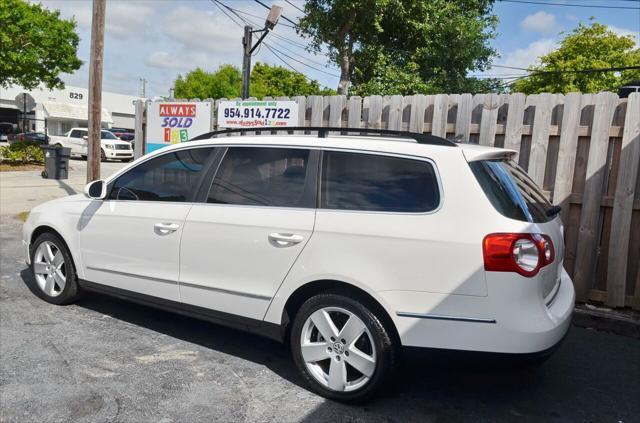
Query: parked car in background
<point x="348" y="247"/>
<point x="111" y="146"/>
<point x="38" y="137"/>
<point x="6" y="130"/>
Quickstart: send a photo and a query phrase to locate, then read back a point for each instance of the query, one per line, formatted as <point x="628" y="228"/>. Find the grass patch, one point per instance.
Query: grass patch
<point x="13" y="167"/>
<point x="22" y="216"/>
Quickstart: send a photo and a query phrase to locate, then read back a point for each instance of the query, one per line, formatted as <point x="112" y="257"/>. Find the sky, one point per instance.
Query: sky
<point x="159" y="39"/>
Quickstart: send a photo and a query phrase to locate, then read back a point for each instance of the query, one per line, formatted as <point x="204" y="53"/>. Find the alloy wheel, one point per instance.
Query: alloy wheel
<point x="49" y="269"/>
<point x="338" y="349"/>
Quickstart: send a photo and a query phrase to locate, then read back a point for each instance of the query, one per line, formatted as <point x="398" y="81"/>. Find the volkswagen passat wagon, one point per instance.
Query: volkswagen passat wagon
<point x="346" y="247"/>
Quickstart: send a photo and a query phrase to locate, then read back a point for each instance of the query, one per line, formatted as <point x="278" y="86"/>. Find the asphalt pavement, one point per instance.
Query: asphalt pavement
<point x="111" y="361"/>
<point x="106" y="360"/>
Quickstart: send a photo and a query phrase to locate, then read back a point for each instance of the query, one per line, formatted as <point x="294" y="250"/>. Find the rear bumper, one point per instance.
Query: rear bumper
<point x="508" y="322"/>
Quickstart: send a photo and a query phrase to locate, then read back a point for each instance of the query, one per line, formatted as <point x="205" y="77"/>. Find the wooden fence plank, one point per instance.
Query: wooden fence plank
<point x="463" y="118"/>
<point x="315" y="102"/>
<point x="418" y="107"/>
<point x="540" y="137"/>
<point x="567" y="151"/>
<point x="489" y="119"/>
<point x="336" y="105"/>
<point x="623" y="204"/>
<point x="589" y="231"/>
<point x="440" y="109"/>
<point x="302" y="111"/>
<point x="395" y="113"/>
<point x="374" y="118"/>
<point x="514" y="125"/>
<point x="354" y="109"/>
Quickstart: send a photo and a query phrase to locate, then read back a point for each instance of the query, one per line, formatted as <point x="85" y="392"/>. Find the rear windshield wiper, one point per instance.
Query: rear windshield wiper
<point x="553" y="210"/>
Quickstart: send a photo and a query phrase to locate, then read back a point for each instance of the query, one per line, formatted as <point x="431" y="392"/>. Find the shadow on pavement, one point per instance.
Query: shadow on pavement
<point x="592" y="377"/>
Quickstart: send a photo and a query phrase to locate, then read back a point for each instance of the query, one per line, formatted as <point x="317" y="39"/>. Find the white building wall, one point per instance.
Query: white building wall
<point x="120" y="106"/>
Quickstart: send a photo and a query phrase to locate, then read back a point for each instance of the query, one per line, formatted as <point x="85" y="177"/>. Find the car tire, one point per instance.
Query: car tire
<point x="103" y="156"/>
<point x="53" y="270"/>
<point x="321" y="357"/>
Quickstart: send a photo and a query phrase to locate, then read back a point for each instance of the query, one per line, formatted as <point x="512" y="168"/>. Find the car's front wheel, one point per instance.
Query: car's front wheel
<point x="53" y="270"/>
<point x="343" y="351"/>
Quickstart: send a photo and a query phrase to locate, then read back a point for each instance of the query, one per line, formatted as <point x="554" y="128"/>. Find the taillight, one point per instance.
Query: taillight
<point x="525" y="254"/>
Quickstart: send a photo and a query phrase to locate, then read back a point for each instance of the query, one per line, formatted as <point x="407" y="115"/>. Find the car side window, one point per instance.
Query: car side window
<point x="369" y="182"/>
<point x="75" y="134"/>
<point x="170" y="177"/>
<point x="263" y="176"/>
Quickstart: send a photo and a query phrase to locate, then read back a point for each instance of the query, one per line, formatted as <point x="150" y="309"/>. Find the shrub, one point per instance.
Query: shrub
<point x="22" y="152"/>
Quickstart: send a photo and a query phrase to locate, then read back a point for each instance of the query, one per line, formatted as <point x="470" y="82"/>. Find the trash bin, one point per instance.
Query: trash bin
<point x="56" y="162"/>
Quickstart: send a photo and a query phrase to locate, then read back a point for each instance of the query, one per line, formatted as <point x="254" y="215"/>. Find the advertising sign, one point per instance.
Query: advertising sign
<point x="171" y="123"/>
<point x="251" y="113"/>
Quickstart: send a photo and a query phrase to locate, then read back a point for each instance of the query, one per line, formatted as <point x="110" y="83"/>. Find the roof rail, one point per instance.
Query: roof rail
<point x="323" y="132"/>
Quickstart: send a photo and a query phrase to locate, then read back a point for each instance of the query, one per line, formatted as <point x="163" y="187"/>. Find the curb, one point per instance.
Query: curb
<point x="606" y="321"/>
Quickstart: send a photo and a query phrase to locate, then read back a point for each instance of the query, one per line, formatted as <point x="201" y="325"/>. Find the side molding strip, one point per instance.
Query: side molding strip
<point x="135" y="275"/>
<point x="443" y="317"/>
<point x="226" y="291"/>
<point x="190" y="285"/>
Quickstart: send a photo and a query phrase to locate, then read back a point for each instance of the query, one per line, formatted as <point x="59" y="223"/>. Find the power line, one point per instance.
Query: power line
<point x="294" y="6"/>
<point x="301" y="62"/>
<point x="282" y="16"/>
<point x="294" y="69"/>
<point x="595" y="6"/>
<point x="248" y="21"/>
<point x="269" y="47"/>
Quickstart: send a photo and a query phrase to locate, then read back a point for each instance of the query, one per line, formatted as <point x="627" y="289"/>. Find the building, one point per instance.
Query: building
<point x="59" y="110"/>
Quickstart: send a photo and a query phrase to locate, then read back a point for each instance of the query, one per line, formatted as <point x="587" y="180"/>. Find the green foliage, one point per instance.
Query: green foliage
<point x="22" y="152"/>
<point x="592" y="46"/>
<point x="36" y="45"/>
<point x="266" y="80"/>
<point x="224" y="82"/>
<point x="402" y="46"/>
<point x="276" y="81"/>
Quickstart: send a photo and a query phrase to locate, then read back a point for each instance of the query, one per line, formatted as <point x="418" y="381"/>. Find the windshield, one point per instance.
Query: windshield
<point x="106" y="135"/>
<point x="511" y="191"/>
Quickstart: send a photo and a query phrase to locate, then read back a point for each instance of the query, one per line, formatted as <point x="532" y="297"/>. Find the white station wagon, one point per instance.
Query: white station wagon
<point x="347" y="247"/>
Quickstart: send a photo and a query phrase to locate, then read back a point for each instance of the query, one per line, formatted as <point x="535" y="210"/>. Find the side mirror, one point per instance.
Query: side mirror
<point x="96" y="190"/>
<point x="85" y="137"/>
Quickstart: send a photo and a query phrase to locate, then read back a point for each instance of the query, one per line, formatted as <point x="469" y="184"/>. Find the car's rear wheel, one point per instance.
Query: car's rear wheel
<point x="341" y="348"/>
<point x="53" y="270"/>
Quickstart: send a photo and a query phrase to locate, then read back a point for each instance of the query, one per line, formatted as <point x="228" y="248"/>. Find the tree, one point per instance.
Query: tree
<point x="36" y="45"/>
<point x="278" y="81"/>
<point x="225" y="82"/>
<point x="266" y="80"/>
<point x="405" y="46"/>
<point x="592" y="46"/>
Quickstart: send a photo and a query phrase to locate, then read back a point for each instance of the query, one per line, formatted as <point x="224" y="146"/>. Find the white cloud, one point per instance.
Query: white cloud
<point x="128" y="19"/>
<point x="200" y="30"/>
<point x="626" y="32"/>
<point x="525" y="57"/>
<point x="540" y="22"/>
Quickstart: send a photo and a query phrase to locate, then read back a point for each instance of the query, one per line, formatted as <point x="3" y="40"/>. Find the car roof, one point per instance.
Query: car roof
<point x="385" y="144"/>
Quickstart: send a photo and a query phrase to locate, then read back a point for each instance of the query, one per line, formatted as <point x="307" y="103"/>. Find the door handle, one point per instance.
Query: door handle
<point x="165" y="228"/>
<point x="284" y="240"/>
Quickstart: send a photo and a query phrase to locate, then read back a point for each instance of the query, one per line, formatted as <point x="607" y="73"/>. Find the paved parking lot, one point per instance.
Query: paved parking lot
<point x="20" y="191"/>
<point x="110" y="361"/>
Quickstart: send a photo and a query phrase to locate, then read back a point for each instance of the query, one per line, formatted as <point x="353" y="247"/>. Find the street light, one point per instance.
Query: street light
<point x="269" y="24"/>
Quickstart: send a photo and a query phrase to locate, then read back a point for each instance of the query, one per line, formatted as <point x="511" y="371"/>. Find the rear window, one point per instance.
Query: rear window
<point x="511" y="190"/>
<point x="353" y="181"/>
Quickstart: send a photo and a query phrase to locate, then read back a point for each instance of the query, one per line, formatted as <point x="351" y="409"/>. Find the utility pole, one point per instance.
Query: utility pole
<point x="143" y="87"/>
<point x="95" y="89"/>
<point x="246" y="60"/>
<point x="248" y="49"/>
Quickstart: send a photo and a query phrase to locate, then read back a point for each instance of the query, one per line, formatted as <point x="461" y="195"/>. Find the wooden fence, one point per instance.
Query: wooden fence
<point x="582" y="149"/>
